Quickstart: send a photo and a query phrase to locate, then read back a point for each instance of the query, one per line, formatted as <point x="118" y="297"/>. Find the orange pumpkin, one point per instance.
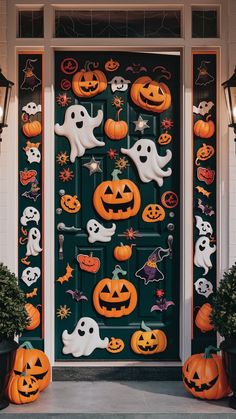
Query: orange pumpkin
<point x="117" y="199"/>
<point x="88" y="263"/>
<point x="204" y="376"/>
<point x="116" y="130"/>
<point x="70" y="203"/>
<point x="203" y="318"/>
<point x="33" y="315"/>
<point x="22" y="389"/>
<point x="32" y="129"/>
<point x="204" y="129"/>
<point x="88" y="83"/>
<point x="204" y="153"/>
<point x="206" y="175"/>
<point x="35" y="362"/>
<point x="27" y="176"/>
<point x="112" y="65"/>
<point x="164" y="138"/>
<point x="115" y="297"/>
<point x="123" y="252"/>
<point x="153" y="213"/>
<point x="148" y="341"/>
<point x="115" y="345"/>
<point x="152" y="95"/>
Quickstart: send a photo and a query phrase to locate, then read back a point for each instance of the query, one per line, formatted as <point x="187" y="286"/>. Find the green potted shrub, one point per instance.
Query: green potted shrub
<point x="13" y="319"/>
<point x="224" y="320"/>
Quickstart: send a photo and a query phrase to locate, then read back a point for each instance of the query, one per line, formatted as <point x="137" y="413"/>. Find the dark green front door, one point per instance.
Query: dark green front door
<point x="150" y="109"/>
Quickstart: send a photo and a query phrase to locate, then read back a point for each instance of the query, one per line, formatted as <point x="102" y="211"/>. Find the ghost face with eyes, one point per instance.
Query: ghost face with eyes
<point x="33" y="247"/>
<point x="33" y="155"/>
<point x="203" y="252"/>
<point x="31" y="108"/>
<point x="30" y="275"/>
<point x="30" y="214"/>
<point x="203" y="287"/>
<point x="203" y="108"/>
<point x="78" y="129"/>
<point x="119" y="83"/>
<point x="84" y="339"/>
<point x="148" y="162"/>
<point x="204" y="227"/>
<point x="98" y="233"/>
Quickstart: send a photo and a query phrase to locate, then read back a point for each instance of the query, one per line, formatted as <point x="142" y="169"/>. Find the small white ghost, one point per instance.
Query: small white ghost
<point x="84" y="339"/>
<point x="98" y="233"/>
<point x="203" y="108"/>
<point x="119" y="83"/>
<point x="148" y="162"/>
<point x="31" y="108"/>
<point x="203" y="252"/>
<point x="204" y="227"/>
<point x="30" y="214"/>
<point x="33" y="155"/>
<point x="78" y="129"/>
<point x="30" y="275"/>
<point x="33" y="248"/>
<point x="203" y="287"/>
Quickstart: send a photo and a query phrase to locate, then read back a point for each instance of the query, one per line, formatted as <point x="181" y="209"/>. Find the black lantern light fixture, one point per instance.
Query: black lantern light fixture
<point x="230" y="97"/>
<point x="5" y="93"/>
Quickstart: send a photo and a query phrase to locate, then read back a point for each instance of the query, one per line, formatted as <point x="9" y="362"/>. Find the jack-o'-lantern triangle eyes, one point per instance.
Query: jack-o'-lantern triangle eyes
<point x="153" y="336"/>
<point x="82" y="78"/>
<point x="106" y="289"/>
<point x="141" y="338"/>
<point x="146" y="86"/>
<point x="196" y="377"/>
<point x="28" y="366"/>
<point x="160" y="91"/>
<point x="108" y="191"/>
<point x="127" y="189"/>
<point x="38" y="363"/>
<point x="24" y="382"/>
<point x="124" y="289"/>
<point x="94" y="77"/>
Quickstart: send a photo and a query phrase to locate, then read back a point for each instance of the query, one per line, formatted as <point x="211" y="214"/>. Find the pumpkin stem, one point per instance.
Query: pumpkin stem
<point x="118" y="114"/>
<point x="161" y="72"/>
<point x="88" y="64"/>
<point x="118" y="271"/>
<point x="145" y="327"/>
<point x="115" y="174"/>
<point x="208" y="116"/>
<point x="208" y="350"/>
<point x="27" y="345"/>
<point x="91" y="254"/>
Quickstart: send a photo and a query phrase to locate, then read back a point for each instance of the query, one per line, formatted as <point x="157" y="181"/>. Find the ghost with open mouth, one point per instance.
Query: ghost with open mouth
<point x="30" y="214"/>
<point x="148" y="162"/>
<point x="78" y="129"/>
<point x="203" y="252"/>
<point x="33" y="246"/>
<point x="98" y="233"/>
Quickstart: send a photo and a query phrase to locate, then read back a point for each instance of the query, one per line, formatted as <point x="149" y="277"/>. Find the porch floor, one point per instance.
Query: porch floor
<point x="119" y="400"/>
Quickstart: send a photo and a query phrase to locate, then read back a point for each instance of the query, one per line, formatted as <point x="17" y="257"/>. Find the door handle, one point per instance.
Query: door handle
<point x="61" y="241"/>
<point x="65" y="229"/>
<point x="170" y="243"/>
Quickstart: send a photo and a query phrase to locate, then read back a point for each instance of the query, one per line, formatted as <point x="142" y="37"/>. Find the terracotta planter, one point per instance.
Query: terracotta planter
<point x="228" y="348"/>
<point x="7" y="357"/>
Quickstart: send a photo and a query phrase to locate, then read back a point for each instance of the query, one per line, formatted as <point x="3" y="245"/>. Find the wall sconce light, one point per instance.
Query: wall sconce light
<point x="5" y="93"/>
<point x="230" y="97"/>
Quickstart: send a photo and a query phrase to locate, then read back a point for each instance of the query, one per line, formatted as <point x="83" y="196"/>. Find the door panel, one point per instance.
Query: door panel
<point x="150" y="235"/>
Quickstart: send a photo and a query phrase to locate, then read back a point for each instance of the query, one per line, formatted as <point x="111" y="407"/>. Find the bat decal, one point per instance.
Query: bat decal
<point x="67" y="276"/>
<point x="77" y="295"/>
<point x="32" y="294"/>
<point x="206" y="209"/>
<point x="200" y="189"/>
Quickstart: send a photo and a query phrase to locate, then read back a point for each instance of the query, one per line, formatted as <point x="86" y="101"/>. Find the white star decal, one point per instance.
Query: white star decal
<point x="141" y="124"/>
<point x="93" y="166"/>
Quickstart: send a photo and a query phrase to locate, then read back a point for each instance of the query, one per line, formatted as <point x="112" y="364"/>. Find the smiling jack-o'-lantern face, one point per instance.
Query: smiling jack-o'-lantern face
<point x="88" y="263"/>
<point x="22" y="389"/>
<point x="115" y="345"/>
<point x="164" y="138"/>
<point x="147" y="341"/>
<point x="116" y="199"/>
<point x="112" y="65"/>
<point x="204" y="153"/>
<point x="89" y="83"/>
<point x="70" y="203"/>
<point x="206" y="175"/>
<point x="153" y="213"/>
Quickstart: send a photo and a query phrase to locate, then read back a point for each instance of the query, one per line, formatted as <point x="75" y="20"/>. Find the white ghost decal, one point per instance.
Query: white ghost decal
<point x="31" y="108"/>
<point x="119" y="83"/>
<point x="148" y="162"/>
<point x="78" y="129"/>
<point x="30" y="214"/>
<point x="98" y="233"/>
<point x="204" y="227"/>
<point x="84" y="339"/>
<point x="203" y="108"/>
<point x="203" y="287"/>
<point x="203" y="252"/>
<point x="33" y="155"/>
<point x="30" y="275"/>
<point x="33" y="248"/>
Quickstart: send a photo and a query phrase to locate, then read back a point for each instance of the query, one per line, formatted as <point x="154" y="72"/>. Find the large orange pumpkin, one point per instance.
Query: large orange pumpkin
<point x="204" y="129"/>
<point x="117" y="199"/>
<point x="33" y="315"/>
<point x="204" y="376"/>
<point x="34" y="362"/>
<point x="32" y="129"/>
<point x="115" y="297"/>
<point x="148" y="341"/>
<point x="152" y="95"/>
<point x="203" y="318"/>
<point x="116" y="130"/>
<point x="22" y="389"/>
<point x="88" y="83"/>
<point x="123" y="252"/>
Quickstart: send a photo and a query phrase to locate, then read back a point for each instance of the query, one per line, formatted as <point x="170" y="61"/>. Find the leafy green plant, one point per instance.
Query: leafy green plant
<point x="13" y="317"/>
<point x="224" y="305"/>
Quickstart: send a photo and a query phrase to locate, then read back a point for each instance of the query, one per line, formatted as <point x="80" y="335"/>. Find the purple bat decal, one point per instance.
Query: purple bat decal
<point x="206" y="209"/>
<point x="77" y="295"/>
<point x="162" y="305"/>
<point x="136" y="68"/>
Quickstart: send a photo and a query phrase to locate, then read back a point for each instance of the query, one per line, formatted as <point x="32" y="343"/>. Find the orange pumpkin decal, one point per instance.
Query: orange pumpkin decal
<point x="33" y="315"/>
<point x="116" y="199"/>
<point x="152" y="95"/>
<point x="22" y="389"/>
<point x="116" y="130"/>
<point x="206" y="175"/>
<point x="204" y="376"/>
<point x="88" y="263"/>
<point x="34" y="362"/>
<point x="169" y="199"/>
<point x="203" y="318"/>
<point x="32" y="129"/>
<point x="164" y="138"/>
<point x="88" y="83"/>
<point x="204" y="129"/>
<point x="115" y="345"/>
<point x="148" y="341"/>
<point x="115" y="297"/>
<point x="70" y="203"/>
<point x="204" y="153"/>
<point x="153" y="213"/>
<point x="123" y="252"/>
<point x="27" y="176"/>
<point x="112" y="65"/>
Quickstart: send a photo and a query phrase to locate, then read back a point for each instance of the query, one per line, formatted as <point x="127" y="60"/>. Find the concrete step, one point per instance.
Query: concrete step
<point x="119" y="400"/>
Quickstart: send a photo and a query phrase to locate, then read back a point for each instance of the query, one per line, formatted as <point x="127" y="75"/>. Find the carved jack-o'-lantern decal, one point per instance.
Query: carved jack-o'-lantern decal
<point x="112" y="65"/>
<point x="151" y="94"/>
<point x="22" y="389"/>
<point x="88" y="263"/>
<point x="27" y="176"/>
<point x="89" y="83"/>
<point x="148" y="341"/>
<point x="204" y="153"/>
<point x="70" y="203"/>
<point x="153" y="213"/>
<point x="115" y="345"/>
<point x="206" y="175"/>
<point x="115" y="297"/>
<point x="164" y="138"/>
<point x="116" y="199"/>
